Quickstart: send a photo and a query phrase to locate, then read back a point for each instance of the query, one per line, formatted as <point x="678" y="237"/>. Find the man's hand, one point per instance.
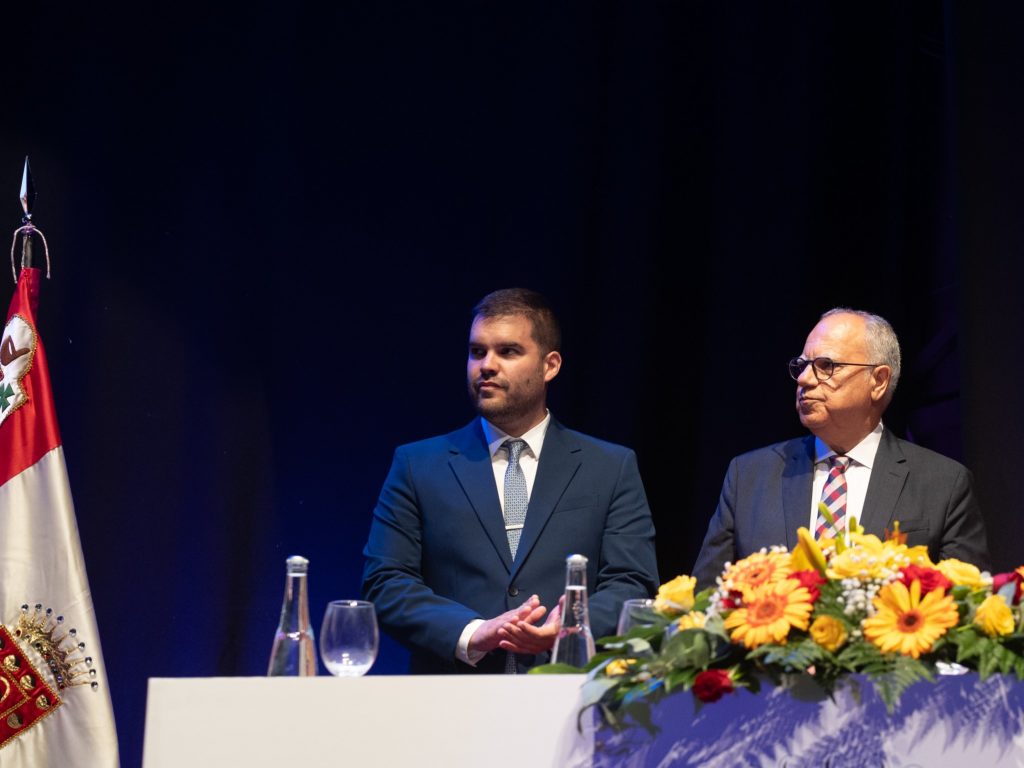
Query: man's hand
<point x="523" y="637"/>
<point x="486" y="638"/>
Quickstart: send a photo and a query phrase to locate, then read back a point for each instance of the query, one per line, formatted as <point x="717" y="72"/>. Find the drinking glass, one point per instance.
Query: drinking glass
<point x="349" y="637"/>
<point x="636" y="612"/>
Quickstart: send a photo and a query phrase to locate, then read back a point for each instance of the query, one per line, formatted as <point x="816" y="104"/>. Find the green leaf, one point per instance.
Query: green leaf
<point x="702" y="599"/>
<point x="688" y="648"/>
<point x="715" y="627"/>
<point x="555" y="669"/>
<point x="680" y="678"/>
<point x="753" y="684"/>
<point x="640" y="712"/>
<point x="595" y="690"/>
<point x="606" y="712"/>
<point x="960" y="592"/>
<point x="600" y="660"/>
<point x="893" y="673"/>
<point x="649" y="634"/>
<point x="646" y="688"/>
<point x="636" y="646"/>
<point x="793" y="657"/>
<point x="967" y="641"/>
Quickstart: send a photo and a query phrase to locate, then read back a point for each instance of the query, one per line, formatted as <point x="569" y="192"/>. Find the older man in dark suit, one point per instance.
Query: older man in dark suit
<point x="845" y="377"/>
<point x="466" y="556"/>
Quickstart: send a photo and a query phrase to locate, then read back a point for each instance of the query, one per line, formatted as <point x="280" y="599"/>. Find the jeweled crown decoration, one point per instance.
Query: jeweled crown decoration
<point x="26" y="698"/>
<point x="61" y="649"/>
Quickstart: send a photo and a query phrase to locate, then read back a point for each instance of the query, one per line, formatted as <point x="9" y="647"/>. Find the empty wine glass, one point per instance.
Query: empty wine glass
<point x="636" y="612"/>
<point x="349" y="637"/>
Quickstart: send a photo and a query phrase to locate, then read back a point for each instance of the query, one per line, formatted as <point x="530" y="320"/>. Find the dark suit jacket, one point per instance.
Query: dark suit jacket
<point x="766" y="496"/>
<point x="438" y="557"/>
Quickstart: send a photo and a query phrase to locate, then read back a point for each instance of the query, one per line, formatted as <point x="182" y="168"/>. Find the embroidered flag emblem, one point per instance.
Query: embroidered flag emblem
<point x="16" y="352"/>
<point x="25" y="698"/>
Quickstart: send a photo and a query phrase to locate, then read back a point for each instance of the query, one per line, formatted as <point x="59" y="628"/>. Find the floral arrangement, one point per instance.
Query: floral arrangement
<point x="821" y="612"/>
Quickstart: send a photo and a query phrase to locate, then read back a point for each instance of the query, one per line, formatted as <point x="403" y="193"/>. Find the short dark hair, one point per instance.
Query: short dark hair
<point x="524" y="303"/>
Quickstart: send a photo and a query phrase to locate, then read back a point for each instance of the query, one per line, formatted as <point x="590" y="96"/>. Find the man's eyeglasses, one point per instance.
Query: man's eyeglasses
<point x="824" y="367"/>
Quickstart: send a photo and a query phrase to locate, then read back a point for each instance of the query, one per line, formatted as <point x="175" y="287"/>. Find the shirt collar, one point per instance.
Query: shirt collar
<point x="534" y="437"/>
<point x="863" y="453"/>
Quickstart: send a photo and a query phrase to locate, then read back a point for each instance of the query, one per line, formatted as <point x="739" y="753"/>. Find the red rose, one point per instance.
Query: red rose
<point x="1001" y="579"/>
<point x="712" y="684"/>
<point x="812" y="580"/>
<point x="732" y="601"/>
<point x="930" y="578"/>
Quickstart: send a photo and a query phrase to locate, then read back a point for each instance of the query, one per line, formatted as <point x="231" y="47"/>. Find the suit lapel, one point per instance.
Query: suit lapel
<point x="888" y="476"/>
<point x="797" y="481"/>
<point x="559" y="460"/>
<point x="471" y="462"/>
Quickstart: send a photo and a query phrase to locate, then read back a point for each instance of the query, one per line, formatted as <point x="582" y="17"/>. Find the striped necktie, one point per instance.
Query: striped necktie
<point x="833" y="496"/>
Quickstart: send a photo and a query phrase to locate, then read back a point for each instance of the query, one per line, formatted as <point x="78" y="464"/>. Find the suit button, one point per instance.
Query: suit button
<point x="513" y="591"/>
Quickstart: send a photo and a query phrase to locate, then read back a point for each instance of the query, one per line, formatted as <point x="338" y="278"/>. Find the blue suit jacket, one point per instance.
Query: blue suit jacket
<point x="438" y="557"/>
<point x="766" y="496"/>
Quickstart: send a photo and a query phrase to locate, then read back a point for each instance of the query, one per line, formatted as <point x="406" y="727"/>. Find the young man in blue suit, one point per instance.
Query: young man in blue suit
<point x="440" y="567"/>
<point x="845" y="379"/>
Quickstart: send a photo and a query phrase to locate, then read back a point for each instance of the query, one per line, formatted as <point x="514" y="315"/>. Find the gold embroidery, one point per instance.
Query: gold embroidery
<point x="26" y="698"/>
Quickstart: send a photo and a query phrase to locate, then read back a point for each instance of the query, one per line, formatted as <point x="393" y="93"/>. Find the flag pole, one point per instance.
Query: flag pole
<point x="27" y="228"/>
<point x="52" y="659"/>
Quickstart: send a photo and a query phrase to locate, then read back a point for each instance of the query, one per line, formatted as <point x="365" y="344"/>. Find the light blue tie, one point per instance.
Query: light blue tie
<point x="516" y="501"/>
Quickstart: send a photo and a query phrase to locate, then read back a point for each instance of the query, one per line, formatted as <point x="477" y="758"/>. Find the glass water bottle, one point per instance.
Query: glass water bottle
<point x="294" y="651"/>
<point x="575" y="642"/>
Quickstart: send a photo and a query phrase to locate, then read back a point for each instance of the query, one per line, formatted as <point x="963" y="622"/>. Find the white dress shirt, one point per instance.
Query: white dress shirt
<point x="858" y="474"/>
<point x="528" y="461"/>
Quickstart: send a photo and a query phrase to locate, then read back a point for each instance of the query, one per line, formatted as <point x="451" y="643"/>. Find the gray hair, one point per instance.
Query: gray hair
<point x="880" y="338"/>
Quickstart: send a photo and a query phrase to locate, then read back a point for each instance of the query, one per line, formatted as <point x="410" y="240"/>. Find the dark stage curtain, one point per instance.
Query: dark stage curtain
<point x="268" y="228"/>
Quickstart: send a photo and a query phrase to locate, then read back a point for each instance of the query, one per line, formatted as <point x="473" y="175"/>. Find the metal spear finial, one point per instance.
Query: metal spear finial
<point x="27" y="229"/>
<point x="28" y="193"/>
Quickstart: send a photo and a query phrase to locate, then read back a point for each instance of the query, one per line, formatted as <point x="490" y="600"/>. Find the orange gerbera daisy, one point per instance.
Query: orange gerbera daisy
<point x="768" y="612"/>
<point x="907" y="622"/>
<point x="758" y="569"/>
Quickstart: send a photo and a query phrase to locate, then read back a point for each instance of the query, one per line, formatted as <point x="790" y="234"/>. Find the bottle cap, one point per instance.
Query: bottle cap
<point x="297" y="564"/>
<point x="576" y="560"/>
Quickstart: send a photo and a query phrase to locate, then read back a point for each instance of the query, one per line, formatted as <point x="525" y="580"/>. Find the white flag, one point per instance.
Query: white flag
<point x="54" y="700"/>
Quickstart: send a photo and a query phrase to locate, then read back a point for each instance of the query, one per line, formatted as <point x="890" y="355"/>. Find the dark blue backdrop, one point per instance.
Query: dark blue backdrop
<point x="268" y="228"/>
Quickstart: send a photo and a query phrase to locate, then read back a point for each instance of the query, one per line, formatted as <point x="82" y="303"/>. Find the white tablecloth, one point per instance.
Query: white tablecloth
<point x="465" y="720"/>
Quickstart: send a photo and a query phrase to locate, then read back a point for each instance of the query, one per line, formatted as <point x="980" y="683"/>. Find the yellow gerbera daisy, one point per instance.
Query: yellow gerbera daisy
<point x="758" y="569"/>
<point x="908" y="623"/>
<point x="768" y="612"/>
